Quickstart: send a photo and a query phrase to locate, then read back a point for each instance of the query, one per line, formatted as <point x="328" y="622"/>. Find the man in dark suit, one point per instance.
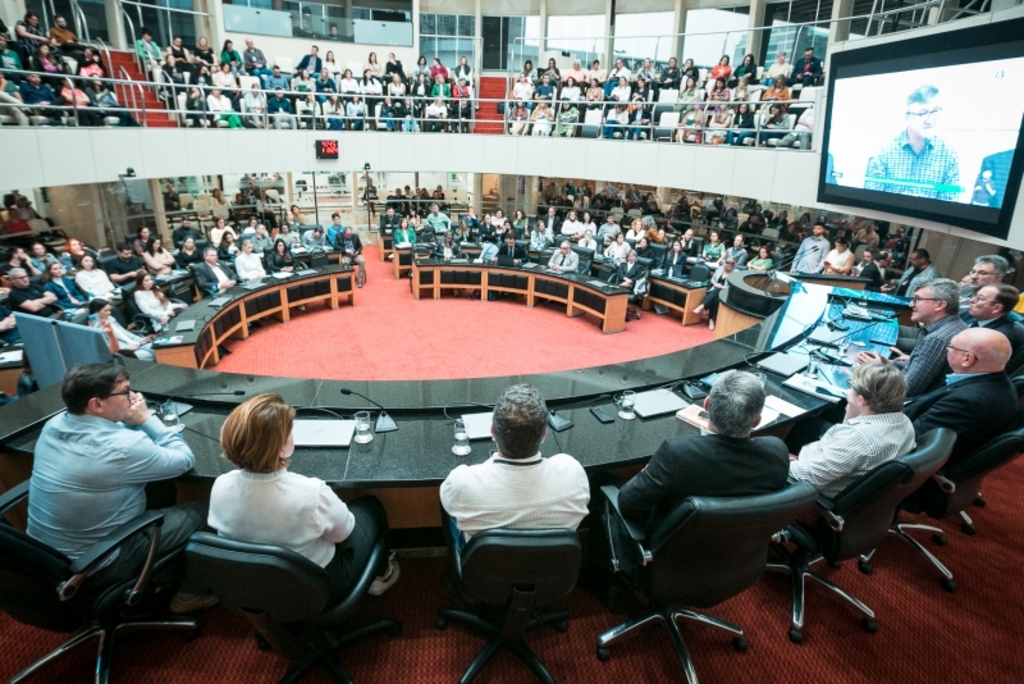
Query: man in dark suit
<point x="552" y="224"/>
<point x="351" y="248"/>
<point x="726" y="462"/>
<point x="212" y="276"/>
<point x="978" y="401"/>
<point x="991" y="307"/>
<point x="510" y="250"/>
<point x="807" y="71"/>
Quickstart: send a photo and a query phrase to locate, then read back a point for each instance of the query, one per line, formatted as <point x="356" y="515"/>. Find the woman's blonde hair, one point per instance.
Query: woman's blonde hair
<point x="254" y="434"/>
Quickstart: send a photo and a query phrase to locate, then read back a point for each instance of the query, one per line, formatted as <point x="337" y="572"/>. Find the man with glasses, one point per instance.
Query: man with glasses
<point x="921" y="271"/>
<point x="874" y="430"/>
<point x="935" y="309"/>
<point x="89" y="476"/>
<point x="564" y="260"/>
<point x="977" y="401"/>
<point x="30" y="298"/>
<point x="991" y="308"/>
<point x="917" y="163"/>
<point x="988" y="269"/>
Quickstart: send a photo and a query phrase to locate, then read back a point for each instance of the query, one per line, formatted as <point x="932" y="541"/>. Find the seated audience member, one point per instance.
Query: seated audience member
<point x="248" y="264"/>
<point x="763" y="261"/>
<point x="261" y="242"/>
<point x="89" y="475"/>
<point x="314" y="239"/>
<point x="154" y="303"/>
<point x="158" y="260"/>
<point x="935" y="309"/>
<point x="512" y="250"/>
<point x="189" y="254"/>
<point x="404" y="234"/>
<point x="8" y="326"/>
<point x="438" y="221"/>
<point x="448" y="248"/>
<point x="212" y="276"/>
<point x="977" y="401"/>
<point x="280" y="259"/>
<point x="39" y="257"/>
<point x="564" y="260"/>
<point x="988" y="269"/>
<point x="63" y="287"/>
<point x="104" y="100"/>
<point x="183" y="231"/>
<point x="92" y="281"/>
<point x="608" y="232"/>
<point x="516" y="488"/>
<point x="675" y="264"/>
<point x="618" y="250"/>
<point x="15" y="257"/>
<point x="840" y="259"/>
<point x="738" y="251"/>
<point x="219" y="230"/>
<point x="539" y="238"/>
<point x="351" y="248"/>
<point x="141" y="241"/>
<point x="119" y="340"/>
<point x="588" y="241"/>
<point x="779" y="68"/>
<point x="630" y="272"/>
<point x="126" y="266"/>
<point x="719" y="281"/>
<point x="807" y="71"/>
<point x="262" y="502"/>
<point x="920" y="272"/>
<point x="290" y="237"/>
<point x="991" y="307"/>
<point x="725" y="461"/>
<point x="31" y="298"/>
<point x="869" y="269"/>
<point x="874" y="430"/>
<point x="280" y="111"/>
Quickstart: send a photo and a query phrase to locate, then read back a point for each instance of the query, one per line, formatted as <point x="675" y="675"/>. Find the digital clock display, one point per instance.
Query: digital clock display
<point x="326" y="149"/>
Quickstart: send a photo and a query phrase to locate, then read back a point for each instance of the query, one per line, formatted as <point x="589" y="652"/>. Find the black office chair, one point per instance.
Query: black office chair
<point x="586" y="259"/>
<point x="106" y="261"/>
<point x="855" y="522"/>
<point x="700" y="273"/>
<point x="705" y="551"/>
<point x="518" y="571"/>
<point x="41" y="587"/>
<point x="143" y="323"/>
<point x="284" y="596"/>
<point x="950" y="491"/>
<point x="1016" y="361"/>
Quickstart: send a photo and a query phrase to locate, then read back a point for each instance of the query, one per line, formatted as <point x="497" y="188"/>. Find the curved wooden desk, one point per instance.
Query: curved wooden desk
<point x="275" y="298"/>
<point x="580" y="296"/>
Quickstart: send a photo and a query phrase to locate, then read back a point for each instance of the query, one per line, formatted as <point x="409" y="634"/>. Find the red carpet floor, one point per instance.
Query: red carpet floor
<point x="925" y="634"/>
<point x="390" y="336"/>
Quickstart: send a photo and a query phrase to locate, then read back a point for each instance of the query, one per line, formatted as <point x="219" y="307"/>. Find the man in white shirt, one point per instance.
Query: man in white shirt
<point x="608" y="231"/>
<point x="516" y="488"/>
<point x="564" y="260"/>
<point x="874" y="430"/>
<point x="552" y="224"/>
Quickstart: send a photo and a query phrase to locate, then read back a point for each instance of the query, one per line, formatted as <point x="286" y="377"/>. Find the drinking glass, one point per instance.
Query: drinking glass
<point x="169" y="416"/>
<point x="626" y="401"/>
<point x="363" y="433"/>
<point x="461" y="447"/>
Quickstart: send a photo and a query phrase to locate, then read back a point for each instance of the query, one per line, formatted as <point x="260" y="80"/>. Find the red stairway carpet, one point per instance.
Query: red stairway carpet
<point x="925" y="634"/>
<point x="390" y="336"/>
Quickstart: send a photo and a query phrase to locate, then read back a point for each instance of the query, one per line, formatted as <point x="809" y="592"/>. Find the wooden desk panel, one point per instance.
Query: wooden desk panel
<point x="430" y="278"/>
<point x="682" y="299"/>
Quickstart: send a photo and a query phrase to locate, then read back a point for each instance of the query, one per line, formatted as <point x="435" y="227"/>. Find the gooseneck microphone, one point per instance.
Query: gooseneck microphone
<point x="235" y="393"/>
<point x="385" y="423"/>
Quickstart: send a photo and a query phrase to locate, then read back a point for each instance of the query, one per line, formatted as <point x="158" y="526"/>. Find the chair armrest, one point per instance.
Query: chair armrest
<point x="948" y="486"/>
<point x="825" y="506"/>
<point x="636" y="533"/>
<point x="13" y="496"/>
<point x="95" y="556"/>
<point x="378" y="555"/>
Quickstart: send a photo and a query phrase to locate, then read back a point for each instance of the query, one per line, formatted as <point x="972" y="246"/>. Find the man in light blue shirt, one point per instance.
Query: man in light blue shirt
<point x="810" y="258"/>
<point x="278" y="80"/>
<point x="90" y="472"/>
<point x="439" y="222"/>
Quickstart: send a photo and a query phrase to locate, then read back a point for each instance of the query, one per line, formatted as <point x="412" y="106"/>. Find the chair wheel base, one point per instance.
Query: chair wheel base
<point x="940" y="539"/>
<point x="395" y="630"/>
<point x="189" y="636"/>
<point x="740" y="644"/>
<point x="980" y="502"/>
<point x="835" y="565"/>
<point x="440" y="622"/>
<point x="866" y="568"/>
<point x="262" y="643"/>
<point x="796" y="636"/>
<point x="868" y="625"/>
<point x="967" y="529"/>
<point x="562" y="626"/>
<point x="949" y="585"/>
<point x="603" y="654"/>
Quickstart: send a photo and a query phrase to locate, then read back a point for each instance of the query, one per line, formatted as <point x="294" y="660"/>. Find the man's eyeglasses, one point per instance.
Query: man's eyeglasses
<point x="127" y="391"/>
<point x="962" y="351"/>
<point x="975" y="272"/>
<point x="915" y="299"/>
<point x="926" y="113"/>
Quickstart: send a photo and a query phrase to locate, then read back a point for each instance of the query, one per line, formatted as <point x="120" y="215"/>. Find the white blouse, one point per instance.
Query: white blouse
<point x="281" y="508"/>
<point x="95" y="282"/>
<point x="249" y="266"/>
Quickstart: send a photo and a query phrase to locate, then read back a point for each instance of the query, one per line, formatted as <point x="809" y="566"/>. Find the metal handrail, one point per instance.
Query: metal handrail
<point x="142" y="95"/>
<point x="163" y="8"/>
<point x="74" y="102"/>
<point x="132" y="40"/>
<point x="81" y="25"/>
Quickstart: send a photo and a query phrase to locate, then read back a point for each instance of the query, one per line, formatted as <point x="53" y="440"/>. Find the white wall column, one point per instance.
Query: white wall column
<point x="608" y="59"/>
<point x="478" y="43"/>
<point x="679" y="26"/>
<point x="543" y="44"/>
<point x="755" y="21"/>
<point x="115" y="25"/>
<point x="838" y="31"/>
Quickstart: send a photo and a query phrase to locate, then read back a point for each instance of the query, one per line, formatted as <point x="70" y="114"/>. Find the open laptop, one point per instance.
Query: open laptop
<point x="185" y="326"/>
<point x="784" y="364"/>
<point x="220" y="301"/>
<point x="506" y="261"/>
<point x="323" y="433"/>
<point x="657" y="403"/>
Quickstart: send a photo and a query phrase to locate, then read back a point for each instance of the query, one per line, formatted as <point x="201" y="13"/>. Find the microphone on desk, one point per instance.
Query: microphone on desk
<point x="236" y="393"/>
<point x="385" y="423"/>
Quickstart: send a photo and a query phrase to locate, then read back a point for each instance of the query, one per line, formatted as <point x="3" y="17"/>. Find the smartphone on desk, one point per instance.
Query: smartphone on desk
<point x="602" y="415"/>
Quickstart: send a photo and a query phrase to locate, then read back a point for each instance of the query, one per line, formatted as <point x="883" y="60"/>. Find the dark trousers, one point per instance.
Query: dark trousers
<point x="180" y="521"/>
<point x="711" y="302"/>
<point x="351" y="555"/>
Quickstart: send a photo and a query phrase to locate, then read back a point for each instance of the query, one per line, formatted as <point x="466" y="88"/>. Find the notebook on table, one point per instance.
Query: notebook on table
<point x="657" y="403"/>
<point x="323" y="433"/>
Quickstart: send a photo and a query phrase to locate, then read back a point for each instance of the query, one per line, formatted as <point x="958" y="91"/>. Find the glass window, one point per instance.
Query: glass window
<point x="637" y="39"/>
<point x="501" y="48"/>
<point x="728" y="36"/>
<point x="445" y="37"/>
<point x="581" y="35"/>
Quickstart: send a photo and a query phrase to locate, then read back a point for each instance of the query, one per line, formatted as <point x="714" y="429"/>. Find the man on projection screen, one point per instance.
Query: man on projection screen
<point x="917" y="163"/>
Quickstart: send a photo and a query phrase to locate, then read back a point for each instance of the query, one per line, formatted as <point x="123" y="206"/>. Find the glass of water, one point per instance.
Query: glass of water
<point x="364" y="435"/>
<point x="169" y="416"/>
<point x="461" y="447"/>
<point x="626" y="402"/>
